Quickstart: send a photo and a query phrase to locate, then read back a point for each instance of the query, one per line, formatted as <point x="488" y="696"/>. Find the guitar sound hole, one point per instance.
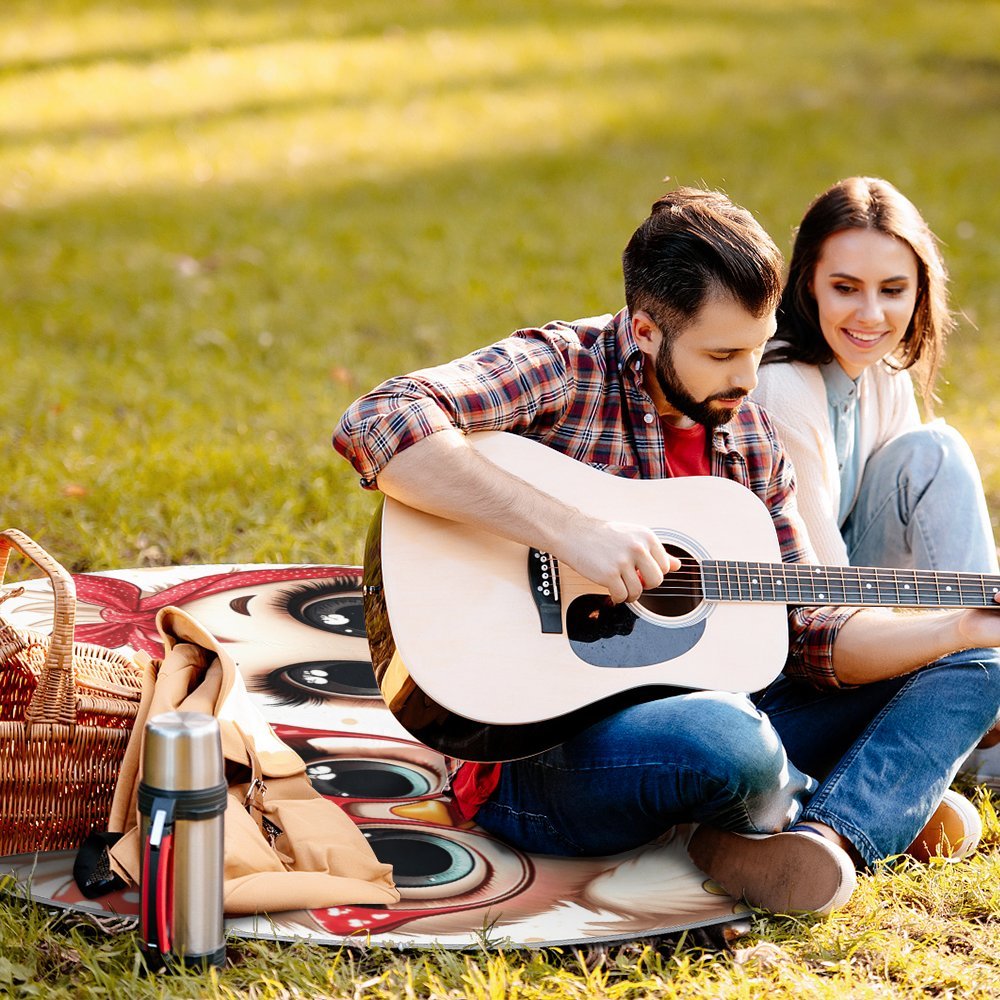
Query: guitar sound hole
<point x="680" y="593"/>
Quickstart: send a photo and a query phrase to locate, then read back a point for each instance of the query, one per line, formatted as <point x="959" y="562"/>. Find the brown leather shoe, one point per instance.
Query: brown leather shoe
<point x="789" y="872"/>
<point x="953" y="831"/>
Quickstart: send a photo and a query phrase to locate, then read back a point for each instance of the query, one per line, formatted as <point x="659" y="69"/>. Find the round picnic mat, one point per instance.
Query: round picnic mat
<point x="297" y="633"/>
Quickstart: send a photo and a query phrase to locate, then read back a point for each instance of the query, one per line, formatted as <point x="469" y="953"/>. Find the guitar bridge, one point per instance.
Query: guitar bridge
<point x="543" y="578"/>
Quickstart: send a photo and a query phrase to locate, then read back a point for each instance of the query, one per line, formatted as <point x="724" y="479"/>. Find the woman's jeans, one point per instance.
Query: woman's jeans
<point x="872" y="761"/>
<point x="921" y="506"/>
<point x="886" y="752"/>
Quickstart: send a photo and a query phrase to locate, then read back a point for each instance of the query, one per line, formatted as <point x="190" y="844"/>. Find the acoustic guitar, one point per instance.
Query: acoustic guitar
<point x="488" y="650"/>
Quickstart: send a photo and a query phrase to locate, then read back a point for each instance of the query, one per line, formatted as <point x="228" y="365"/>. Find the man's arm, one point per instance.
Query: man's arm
<point x="518" y="383"/>
<point x="877" y="643"/>
<point x="442" y="474"/>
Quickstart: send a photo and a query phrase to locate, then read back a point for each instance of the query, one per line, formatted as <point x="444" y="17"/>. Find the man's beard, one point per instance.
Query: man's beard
<point x="680" y="399"/>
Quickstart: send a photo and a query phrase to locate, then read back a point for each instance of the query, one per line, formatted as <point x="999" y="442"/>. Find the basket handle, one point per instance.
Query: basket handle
<point x="54" y="700"/>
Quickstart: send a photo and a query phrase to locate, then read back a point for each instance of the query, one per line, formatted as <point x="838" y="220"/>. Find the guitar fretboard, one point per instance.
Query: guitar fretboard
<point x="800" y="583"/>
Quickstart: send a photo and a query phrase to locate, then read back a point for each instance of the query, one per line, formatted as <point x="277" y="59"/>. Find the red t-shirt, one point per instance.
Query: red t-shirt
<point x="686" y="455"/>
<point x="686" y="450"/>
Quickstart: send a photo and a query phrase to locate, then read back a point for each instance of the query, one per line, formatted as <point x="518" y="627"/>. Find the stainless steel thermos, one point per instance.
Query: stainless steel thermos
<point x="182" y="800"/>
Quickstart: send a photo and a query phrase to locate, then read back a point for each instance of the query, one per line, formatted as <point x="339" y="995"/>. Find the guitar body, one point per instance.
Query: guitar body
<point x="476" y="662"/>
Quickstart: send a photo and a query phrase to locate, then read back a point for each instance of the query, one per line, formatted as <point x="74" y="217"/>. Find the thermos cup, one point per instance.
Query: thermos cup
<point x="182" y="799"/>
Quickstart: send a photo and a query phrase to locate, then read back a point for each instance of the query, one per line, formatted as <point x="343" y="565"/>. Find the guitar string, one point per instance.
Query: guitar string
<point x="688" y="581"/>
<point x="680" y="582"/>
<point x="810" y="572"/>
<point x="833" y="599"/>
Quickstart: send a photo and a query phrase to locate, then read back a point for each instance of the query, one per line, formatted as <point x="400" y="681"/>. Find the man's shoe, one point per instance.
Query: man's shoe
<point x="788" y="872"/>
<point x="953" y="831"/>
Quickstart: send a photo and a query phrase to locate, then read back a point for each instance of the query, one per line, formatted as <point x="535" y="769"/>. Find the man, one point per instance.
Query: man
<point x="660" y="390"/>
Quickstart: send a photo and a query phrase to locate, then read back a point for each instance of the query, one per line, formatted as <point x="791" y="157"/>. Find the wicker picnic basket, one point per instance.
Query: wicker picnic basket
<point x="66" y="711"/>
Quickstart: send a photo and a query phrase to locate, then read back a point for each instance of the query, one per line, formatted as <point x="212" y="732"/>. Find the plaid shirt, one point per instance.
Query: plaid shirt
<point x="577" y="387"/>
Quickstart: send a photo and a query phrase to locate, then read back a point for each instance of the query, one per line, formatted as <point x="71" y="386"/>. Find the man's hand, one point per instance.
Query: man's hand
<point x="624" y="558"/>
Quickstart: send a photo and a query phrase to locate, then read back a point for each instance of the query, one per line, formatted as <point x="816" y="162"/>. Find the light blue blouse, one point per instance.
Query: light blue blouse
<point x="842" y="402"/>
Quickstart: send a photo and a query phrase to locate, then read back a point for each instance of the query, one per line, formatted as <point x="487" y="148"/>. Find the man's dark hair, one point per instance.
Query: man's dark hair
<point x="694" y="244"/>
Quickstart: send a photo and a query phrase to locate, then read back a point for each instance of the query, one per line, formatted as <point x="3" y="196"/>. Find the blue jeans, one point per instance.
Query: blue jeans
<point x="921" y="506"/>
<point x="885" y="753"/>
<point x="697" y="756"/>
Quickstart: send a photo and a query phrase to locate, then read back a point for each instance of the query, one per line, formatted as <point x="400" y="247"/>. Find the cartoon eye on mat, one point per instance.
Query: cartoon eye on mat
<point x="314" y="605"/>
<point x="441" y="873"/>
<point x="315" y="682"/>
<point x="365" y="769"/>
<point x="429" y="864"/>
<point x="370" y="778"/>
<point x="332" y="605"/>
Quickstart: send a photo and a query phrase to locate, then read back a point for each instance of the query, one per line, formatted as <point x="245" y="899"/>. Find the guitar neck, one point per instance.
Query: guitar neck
<point x="801" y="583"/>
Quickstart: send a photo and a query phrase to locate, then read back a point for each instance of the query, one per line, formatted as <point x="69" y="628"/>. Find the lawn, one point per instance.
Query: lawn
<point x="221" y="221"/>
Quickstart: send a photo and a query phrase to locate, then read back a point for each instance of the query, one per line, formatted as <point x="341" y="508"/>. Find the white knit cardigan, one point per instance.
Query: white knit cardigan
<point x="794" y="395"/>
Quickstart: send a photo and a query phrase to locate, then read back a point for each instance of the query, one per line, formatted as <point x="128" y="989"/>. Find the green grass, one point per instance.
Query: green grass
<point x="910" y="932"/>
<point x="221" y="221"/>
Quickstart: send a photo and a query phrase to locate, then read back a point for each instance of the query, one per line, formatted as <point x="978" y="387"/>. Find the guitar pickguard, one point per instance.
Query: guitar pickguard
<point x="613" y="635"/>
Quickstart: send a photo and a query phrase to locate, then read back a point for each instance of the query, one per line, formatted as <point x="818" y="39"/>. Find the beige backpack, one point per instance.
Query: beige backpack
<point x="286" y="847"/>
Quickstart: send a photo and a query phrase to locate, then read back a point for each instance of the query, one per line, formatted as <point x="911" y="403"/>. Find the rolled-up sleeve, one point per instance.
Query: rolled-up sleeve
<point x="382" y="423"/>
<point x="812" y="632"/>
<point x="515" y="384"/>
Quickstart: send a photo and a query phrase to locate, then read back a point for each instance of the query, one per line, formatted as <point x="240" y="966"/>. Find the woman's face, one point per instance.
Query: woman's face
<point x="865" y="285"/>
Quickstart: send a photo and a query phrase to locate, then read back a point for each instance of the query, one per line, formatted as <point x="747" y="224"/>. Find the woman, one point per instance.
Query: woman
<point x="865" y="304"/>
